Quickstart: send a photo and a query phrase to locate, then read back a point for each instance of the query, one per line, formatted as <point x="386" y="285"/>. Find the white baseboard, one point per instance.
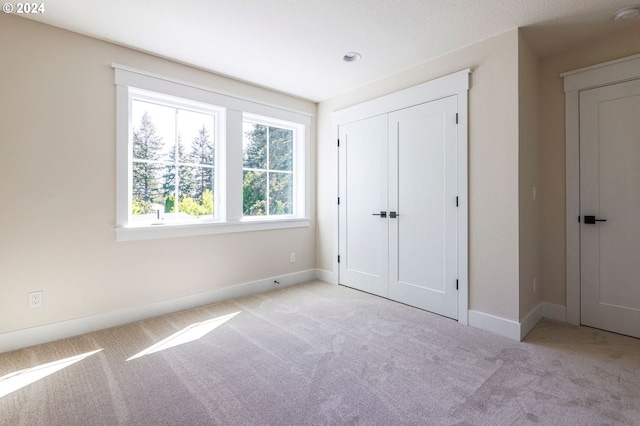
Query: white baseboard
<point x="531" y="320"/>
<point x="326" y="276"/>
<point x="554" y="312"/>
<point x="501" y="326"/>
<point x="50" y="332"/>
<point x="512" y="329"/>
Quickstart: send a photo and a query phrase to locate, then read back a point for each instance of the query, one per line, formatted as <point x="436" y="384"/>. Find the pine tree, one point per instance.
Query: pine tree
<point x="255" y="153"/>
<point x="280" y="193"/>
<point x="186" y="185"/>
<point x="280" y="158"/>
<point x="146" y="146"/>
<point x="254" y="193"/>
<point x="280" y="149"/>
<point x="280" y="185"/>
<point x="254" y="186"/>
<point x="202" y="153"/>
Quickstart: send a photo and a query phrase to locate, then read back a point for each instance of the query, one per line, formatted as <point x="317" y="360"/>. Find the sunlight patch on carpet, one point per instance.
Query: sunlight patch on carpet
<point x="188" y="334"/>
<point x="19" y="379"/>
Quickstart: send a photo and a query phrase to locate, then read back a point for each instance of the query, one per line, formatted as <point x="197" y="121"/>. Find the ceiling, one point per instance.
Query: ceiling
<point x="296" y="46"/>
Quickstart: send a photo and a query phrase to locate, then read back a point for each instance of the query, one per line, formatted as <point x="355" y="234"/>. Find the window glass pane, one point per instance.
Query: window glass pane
<point x="195" y="135"/>
<point x="195" y="195"/>
<point x="254" y="192"/>
<point x="280" y="193"/>
<point x="153" y="130"/>
<point x="194" y="198"/>
<point x="202" y="181"/>
<point x="147" y="192"/>
<point x="168" y="184"/>
<point x="184" y="178"/>
<point x="280" y="149"/>
<point x="254" y="145"/>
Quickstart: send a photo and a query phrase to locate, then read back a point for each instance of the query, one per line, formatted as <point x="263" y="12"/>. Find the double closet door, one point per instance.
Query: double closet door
<point x="398" y="209"/>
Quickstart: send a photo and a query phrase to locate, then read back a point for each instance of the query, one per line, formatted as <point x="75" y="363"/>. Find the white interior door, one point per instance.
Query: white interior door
<point x="363" y="182"/>
<point x="610" y="190"/>
<point x="423" y="188"/>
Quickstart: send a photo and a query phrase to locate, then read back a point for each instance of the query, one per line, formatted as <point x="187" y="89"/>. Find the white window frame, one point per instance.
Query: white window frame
<point x="229" y="156"/>
<point x="299" y="153"/>
<point x="218" y="134"/>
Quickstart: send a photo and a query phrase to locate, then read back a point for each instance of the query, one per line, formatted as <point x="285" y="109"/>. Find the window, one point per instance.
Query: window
<point x="191" y="161"/>
<point x="172" y="159"/>
<point x="268" y="169"/>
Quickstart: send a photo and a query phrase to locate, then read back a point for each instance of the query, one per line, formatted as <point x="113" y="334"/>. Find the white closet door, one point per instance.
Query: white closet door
<point x="423" y="188"/>
<point x="610" y="190"/>
<point x="364" y="236"/>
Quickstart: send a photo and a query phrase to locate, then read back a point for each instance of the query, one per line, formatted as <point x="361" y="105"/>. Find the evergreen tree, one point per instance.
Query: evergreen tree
<point x="280" y="149"/>
<point x="202" y="153"/>
<point x="280" y="185"/>
<point x="280" y="193"/>
<point x="255" y="153"/>
<point x="146" y="146"/>
<point x="280" y="158"/>
<point x="254" y="186"/>
<point x="254" y="193"/>
<point x="186" y="185"/>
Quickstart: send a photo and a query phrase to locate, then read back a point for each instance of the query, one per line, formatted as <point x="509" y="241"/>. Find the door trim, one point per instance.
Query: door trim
<point x="449" y="85"/>
<point x="607" y="73"/>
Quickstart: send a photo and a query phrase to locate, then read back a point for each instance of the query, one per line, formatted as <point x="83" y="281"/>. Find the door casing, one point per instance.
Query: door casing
<point x="612" y="72"/>
<point x="452" y="84"/>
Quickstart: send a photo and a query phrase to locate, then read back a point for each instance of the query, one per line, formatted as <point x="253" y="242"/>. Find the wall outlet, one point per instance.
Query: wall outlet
<point x="535" y="285"/>
<point x="35" y="299"/>
<point x="292" y="258"/>
<point x="534" y="193"/>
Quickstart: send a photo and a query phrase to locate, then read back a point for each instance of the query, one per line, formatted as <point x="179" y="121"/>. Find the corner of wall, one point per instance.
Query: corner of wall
<point x="623" y="43"/>
<point x="530" y="293"/>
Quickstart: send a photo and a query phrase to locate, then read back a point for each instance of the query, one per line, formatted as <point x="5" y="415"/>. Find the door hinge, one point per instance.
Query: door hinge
<point x="338" y="258"/>
<point x="338" y="200"/>
<point x="338" y="142"/>
<point x="456" y="201"/>
<point x="456" y="118"/>
<point x="456" y="284"/>
<point x="578" y="219"/>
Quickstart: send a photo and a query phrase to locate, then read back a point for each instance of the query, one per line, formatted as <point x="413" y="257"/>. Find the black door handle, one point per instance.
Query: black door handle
<point x="592" y="220"/>
<point x="381" y="214"/>
<point x="393" y="215"/>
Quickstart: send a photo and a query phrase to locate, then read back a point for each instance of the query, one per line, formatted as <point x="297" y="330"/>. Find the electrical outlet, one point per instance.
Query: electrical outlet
<point x="35" y="299"/>
<point x="534" y="194"/>
<point x="535" y="285"/>
<point x="292" y="258"/>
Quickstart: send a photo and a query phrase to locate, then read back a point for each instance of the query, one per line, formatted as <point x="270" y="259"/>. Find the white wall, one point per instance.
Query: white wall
<point x="493" y="166"/>
<point x="529" y="209"/>
<point x="57" y="180"/>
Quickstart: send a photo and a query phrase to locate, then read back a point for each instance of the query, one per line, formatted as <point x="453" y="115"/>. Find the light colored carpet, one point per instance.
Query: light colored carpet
<point x="322" y="354"/>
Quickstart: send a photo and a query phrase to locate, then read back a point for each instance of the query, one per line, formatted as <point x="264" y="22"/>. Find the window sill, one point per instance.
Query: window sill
<point x="149" y="232"/>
